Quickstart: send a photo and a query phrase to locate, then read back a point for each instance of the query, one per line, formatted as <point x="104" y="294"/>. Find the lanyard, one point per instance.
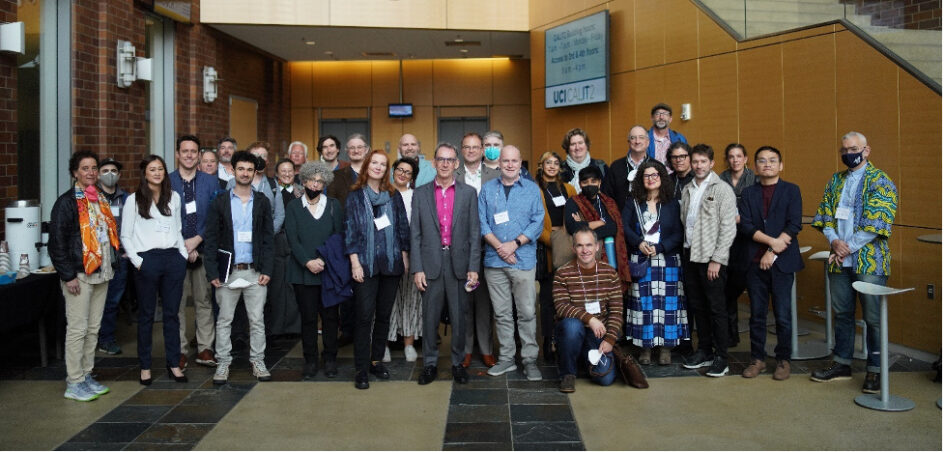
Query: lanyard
<point x="596" y="272"/>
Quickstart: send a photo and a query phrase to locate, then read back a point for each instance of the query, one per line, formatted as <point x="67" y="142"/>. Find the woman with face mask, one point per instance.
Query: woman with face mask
<point x="309" y="221"/>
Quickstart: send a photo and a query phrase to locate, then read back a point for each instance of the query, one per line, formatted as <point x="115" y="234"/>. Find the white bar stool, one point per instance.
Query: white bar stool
<point x="883" y="401"/>
<point x="810" y="349"/>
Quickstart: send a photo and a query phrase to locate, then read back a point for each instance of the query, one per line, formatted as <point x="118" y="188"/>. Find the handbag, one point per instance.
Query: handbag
<point x="562" y="248"/>
<point x="638" y="270"/>
<point x="628" y="368"/>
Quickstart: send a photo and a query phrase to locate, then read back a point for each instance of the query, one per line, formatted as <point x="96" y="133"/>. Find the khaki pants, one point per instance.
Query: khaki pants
<point x="254" y="298"/>
<point x="83" y="318"/>
<point x="196" y="285"/>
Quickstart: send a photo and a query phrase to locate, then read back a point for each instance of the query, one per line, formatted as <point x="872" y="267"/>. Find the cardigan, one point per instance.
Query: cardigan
<point x="715" y="226"/>
<point x="305" y="234"/>
<point x="671" y="232"/>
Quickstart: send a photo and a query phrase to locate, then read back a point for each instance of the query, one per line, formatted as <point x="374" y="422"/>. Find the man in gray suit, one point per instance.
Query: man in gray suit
<point x="478" y="318"/>
<point x="445" y="255"/>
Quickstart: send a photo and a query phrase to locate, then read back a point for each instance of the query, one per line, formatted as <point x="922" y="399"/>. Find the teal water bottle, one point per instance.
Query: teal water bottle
<point x="610" y="251"/>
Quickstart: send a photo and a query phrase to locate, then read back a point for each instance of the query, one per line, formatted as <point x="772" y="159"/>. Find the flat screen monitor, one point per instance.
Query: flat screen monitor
<point x="400" y="110"/>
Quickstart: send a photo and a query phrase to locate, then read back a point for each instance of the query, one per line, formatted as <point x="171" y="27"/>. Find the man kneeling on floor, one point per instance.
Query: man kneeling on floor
<point x="589" y="307"/>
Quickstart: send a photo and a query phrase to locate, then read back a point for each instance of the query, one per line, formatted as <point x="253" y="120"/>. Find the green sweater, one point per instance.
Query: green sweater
<point x="305" y="234"/>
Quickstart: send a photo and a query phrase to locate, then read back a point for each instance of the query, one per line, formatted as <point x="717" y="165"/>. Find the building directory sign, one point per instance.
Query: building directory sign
<point x="576" y="62"/>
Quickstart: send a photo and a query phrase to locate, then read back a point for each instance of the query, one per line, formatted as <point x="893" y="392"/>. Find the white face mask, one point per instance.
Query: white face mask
<point x="109" y="179"/>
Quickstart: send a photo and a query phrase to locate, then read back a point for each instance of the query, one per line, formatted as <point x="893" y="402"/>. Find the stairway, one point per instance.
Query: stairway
<point x="920" y="48"/>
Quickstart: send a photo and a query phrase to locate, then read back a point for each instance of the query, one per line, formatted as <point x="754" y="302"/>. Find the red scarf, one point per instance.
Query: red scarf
<point x="589" y="213"/>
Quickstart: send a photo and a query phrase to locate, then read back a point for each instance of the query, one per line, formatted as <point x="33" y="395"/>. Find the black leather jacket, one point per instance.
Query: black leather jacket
<point x="65" y="240"/>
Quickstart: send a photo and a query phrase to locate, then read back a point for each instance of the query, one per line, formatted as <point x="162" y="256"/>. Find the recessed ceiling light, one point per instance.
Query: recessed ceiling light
<point x="464" y="50"/>
<point x="458" y="39"/>
<point x="328" y="52"/>
<point x="311" y="43"/>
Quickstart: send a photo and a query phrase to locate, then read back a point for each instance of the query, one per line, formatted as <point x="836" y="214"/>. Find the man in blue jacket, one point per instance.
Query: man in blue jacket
<point x="771" y="216"/>
<point x="196" y="190"/>
<point x="660" y="136"/>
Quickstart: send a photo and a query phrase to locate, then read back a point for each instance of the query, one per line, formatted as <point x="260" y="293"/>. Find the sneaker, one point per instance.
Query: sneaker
<point x="531" y="371"/>
<point x="410" y="353"/>
<point x="110" y="348"/>
<point x="568" y="383"/>
<point x="386" y="357"/>
<point x="206" y="358"/>
<point x="719" y="367"/>
<point x="502" y="368"/>
<point x="259" y="371"/>
<point x="835" y="372"/>
<point x="782" y="372"/>
<point x="697" y="360"/>
<point x="79" y="391"/>
<point x="757" y="367"/>
<point x="94" y="386"/>
<point x="872" y="383"/>
<point x="221" y="374"/>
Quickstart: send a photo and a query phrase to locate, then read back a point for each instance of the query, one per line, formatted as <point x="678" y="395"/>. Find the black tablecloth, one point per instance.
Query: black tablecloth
<point x="27" y="300"/>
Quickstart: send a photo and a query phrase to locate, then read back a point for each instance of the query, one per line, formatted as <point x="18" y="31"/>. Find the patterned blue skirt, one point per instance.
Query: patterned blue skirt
<point x="656" y="314"/>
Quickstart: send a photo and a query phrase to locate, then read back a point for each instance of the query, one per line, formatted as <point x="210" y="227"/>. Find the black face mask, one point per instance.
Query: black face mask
<point x="590" y="191"/>
<point x="312" y="194"/>
<point x="852" y="160"/>
<point x="260" y="164"/>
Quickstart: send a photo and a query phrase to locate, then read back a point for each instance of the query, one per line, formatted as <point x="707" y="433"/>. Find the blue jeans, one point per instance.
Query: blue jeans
<point x="574" y="340"/>
<point x="116" y="289"/>
<point x="844" y="296"/>
<point x="770" y="287"/>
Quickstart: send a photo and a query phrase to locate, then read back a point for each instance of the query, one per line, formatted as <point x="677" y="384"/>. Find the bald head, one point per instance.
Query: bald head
<point x="638" y="140"/>
<point x="510" y="163"/>
<point x="409" y="146"/>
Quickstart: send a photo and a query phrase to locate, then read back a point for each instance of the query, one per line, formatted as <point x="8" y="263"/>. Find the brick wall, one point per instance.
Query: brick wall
<point x="908" y="14"/>
<point x="8" y="117"/>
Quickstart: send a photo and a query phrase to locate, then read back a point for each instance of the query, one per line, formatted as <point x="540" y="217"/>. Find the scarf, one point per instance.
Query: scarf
<point x="90" y="218"/>
<point x="380" y="204"/>
<point x="589" y="213"/>
<point x="575" y="181"/>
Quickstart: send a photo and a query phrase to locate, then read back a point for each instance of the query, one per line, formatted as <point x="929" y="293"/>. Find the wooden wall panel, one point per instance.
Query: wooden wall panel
<point x="597" y="126"/>
<point x="867" y="94"/>
<point x="304" y="128"/>
<point x="385" y="83"/>
<point x="462" y="82"/>
<point x="917" y="319"/>
<point x="650" y="89"/>
<point x="651" y="22"/>
<point x="810" y="138"/>
<point x="514" y="121"/>
<point x="712" y="39"/>
<point x="510" y="82"/>
<point x="718" y="100"/>
<point x="423" y="126"/>
<point x="622" y="36"/>
<point x="681" y="86"/>
<point x="681" y="37"/>
<point x="760" y="99"/>
<point x="344" y="113"/>
<point x="622" y="113"/>
<point x="384" y="131"/>
<point x="537" y="59"/>
<point x="919" y="181"/>
<point x="538" y="120"/>
<point x="341" y="84"/>
<point x="301" y="87"/>
<point x="418" y="82"/>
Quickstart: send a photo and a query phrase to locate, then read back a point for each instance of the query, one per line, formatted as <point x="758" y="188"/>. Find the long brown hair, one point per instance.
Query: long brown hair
<point x="143" y="197"/>
<point x="385" y="184"/>
<point x="540" y="172"/>
<point x="666" y="190"/>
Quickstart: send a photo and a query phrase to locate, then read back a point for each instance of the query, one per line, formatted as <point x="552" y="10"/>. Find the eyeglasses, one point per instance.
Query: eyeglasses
<point x="404" y="172"/>
<point x="638" y="137"/>
<point x="446" y="159"/>
<point x="467" y="148"/>
<point x="679" y="157"/>
<point x="852" y="149"/>
<point x="357" y="148"/>
<point x="662" y="114"/>
<point x="107" y="171"/>
<point x="651" y="176"/>
<point x="317" y="181"/>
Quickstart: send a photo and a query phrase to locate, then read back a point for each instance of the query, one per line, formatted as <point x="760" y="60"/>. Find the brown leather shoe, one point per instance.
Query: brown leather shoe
<point x="665" y="356"/>
<point x="489" y="360"/>
<point x="645" y="356"/>
<point x="756" y="368"/>
<point x="467" y="361"/>
<point x="782" y="372"/>
<point x="568" y="383"/>
<point x="206" y="358"/>
<point x="183" y="361"/>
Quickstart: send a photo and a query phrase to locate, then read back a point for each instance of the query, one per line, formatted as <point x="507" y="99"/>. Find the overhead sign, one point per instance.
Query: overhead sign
<point x="178" y="10"/>
<point x="577" y="62"/>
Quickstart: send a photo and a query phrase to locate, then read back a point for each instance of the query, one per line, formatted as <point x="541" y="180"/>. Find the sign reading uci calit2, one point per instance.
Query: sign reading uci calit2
<point x="576" y="62"/>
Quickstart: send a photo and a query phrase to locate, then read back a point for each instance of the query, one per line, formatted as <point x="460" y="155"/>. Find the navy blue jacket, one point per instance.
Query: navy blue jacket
<point x="336" y="283"/>
<point x="673" y="137"/>
<point x="204" y="189"/>
<point x="784" y="215"/>
<point x="671" y="232"/>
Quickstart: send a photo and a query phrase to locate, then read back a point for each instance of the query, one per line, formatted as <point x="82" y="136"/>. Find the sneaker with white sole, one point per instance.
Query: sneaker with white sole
<point x="259" y="371"/>
<point x="386" y="357"/>
<point x="531" y="371"/>
<point x="410" y="353"/>
<point x="79" y="391"/>
<point x="94" y="386"/>
<point x="502" y="367"/>
<point x="222" y="373"/>
<point x="719" y="367"/>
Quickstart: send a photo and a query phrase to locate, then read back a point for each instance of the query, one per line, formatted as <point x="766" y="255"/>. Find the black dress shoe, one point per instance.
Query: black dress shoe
<point x="145" y="382"/>
<point x="331" y="369"/>
<point x="379" y="371"/>
<point x="180" y="379"/>
<point x="835" y="372"/>
<point x="344" y="340"/>
<point x="429" y="374"/>
<point x="310" y="371"/>
<point x="360" y="380"/>
<point x="460" y="375"/>
<point x="873" y="383"/>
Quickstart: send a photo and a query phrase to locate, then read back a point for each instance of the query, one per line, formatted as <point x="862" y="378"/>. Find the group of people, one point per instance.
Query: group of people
<point x="638" y="251"/>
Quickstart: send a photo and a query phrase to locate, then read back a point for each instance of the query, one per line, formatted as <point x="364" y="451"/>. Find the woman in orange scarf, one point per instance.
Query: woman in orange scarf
<point x="83" y="238"/>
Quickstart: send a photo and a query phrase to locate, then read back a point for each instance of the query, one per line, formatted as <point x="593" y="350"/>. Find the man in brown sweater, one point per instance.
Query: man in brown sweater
<point x="589" y="305"/>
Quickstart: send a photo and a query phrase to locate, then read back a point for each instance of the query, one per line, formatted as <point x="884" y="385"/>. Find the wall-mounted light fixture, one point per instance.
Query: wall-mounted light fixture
<point x="125" y="64"/>
<point x="686" y="112"/>
<point x="210" y="79"/>
<point x="13" y="37"/>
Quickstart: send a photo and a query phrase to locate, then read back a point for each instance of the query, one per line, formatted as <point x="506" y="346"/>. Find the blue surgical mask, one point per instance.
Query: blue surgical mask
<point x="492" y="152"/>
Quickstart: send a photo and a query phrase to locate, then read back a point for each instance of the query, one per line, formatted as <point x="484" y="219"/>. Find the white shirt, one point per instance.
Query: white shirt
<point x="474" y="178"/>
<point x="158" y="232"/>
<point x="696" y="191"/>
<point x="319" y="206"/>
<point x="222" y="174"/>
<point x="408" y="203"/>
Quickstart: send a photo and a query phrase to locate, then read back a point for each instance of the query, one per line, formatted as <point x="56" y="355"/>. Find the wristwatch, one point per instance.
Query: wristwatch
<point x="518" y="242"/>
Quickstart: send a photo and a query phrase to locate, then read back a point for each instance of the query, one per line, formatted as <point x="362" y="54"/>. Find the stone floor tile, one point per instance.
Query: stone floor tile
<point x="479" y="397"/>
<point x="136" y="413"/>
<point x="110" y="432"/>
<point x="544" y="432"/>
<point x="549" y="446"/>
<point x="478" y="413"/>
<point x="175" y="433"/>
<point x="91" y="446"/>
<point x="499" y="432"/>
<point x="541" y="413"/>
<point x="206" y="414"/>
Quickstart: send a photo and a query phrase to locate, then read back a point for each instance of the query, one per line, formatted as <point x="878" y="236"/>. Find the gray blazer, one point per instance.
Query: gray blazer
<point x="487" y="173"/>
<point x="426" y="239"/>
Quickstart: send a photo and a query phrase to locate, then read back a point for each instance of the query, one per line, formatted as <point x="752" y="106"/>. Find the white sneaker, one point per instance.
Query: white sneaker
<point x="531" y="371"/>
<point x="259" y="371"/>
<point x="221" y="374"/>
<point x="386" y="357"/>
<point x="79" y="391"/>
<point x="410" y="353"/>
<point x="502" y="367"/>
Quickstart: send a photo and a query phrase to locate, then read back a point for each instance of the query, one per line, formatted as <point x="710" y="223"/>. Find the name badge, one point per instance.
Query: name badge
<point x="592" y="307"/>
<point x="558" y="201"/>
<point x="115" y="211"/>
<point x="631" y="175"/>
<point x="501" y="217"/>
<point x="244" y="236"/>
<point x="843" y="213"/>
<point x="190" y="207"/>
<point x="381" y="222"/>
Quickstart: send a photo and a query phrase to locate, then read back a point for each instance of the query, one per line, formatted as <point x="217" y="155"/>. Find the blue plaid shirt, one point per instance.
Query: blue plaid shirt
<point x="525" y="216"/>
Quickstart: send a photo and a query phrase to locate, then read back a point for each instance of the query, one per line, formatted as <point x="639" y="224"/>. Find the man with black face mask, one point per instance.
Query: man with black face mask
<point x="599" y="212"/>
<point x="109" y="172"/>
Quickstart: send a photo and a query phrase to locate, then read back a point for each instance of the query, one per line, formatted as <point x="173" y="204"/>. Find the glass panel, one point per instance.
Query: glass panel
<point x="27" y="93"/>
<point x="149" y="25"/>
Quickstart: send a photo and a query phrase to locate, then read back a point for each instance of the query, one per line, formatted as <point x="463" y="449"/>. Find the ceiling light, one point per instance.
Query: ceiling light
<point x="311" y="43"/>
<point x="328" y="52"/>
<point x="464" y="50"/>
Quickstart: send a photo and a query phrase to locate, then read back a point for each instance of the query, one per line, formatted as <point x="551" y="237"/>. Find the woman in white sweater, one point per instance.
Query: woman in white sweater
<point x="150" y="233"/>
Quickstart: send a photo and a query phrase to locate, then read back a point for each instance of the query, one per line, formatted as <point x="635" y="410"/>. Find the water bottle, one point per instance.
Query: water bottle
<point x="608" y="243"/>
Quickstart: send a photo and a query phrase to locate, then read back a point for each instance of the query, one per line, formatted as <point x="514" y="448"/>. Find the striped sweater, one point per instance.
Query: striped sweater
<point x="573" y="288"/>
